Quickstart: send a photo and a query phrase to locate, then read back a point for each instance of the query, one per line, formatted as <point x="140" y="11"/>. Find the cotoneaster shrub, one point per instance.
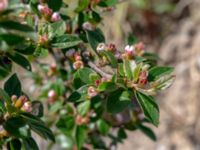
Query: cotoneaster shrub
<point x="91" y="95"/>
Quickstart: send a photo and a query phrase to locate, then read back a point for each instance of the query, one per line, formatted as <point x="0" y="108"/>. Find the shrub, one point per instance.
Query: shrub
<point x="94" y="91"/>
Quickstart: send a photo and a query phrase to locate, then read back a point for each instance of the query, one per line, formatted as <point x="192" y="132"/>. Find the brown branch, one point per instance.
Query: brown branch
<point x="99" y="71"/>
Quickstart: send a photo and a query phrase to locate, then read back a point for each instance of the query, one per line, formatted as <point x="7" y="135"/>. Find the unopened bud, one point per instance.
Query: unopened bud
<point x="43" y="39"/>
<point x="14" y="98"/>
<point x="27" y="107"/>
<point x="92" y="92"/>
<point x="81" y="120"/>
<point x="77" y="57"/>
<point x="55" y="17"/>
<point x="101" y="47"/>
<point x="46" y="11"/>
<point x="87" y="26"/>
<point x="139" y="46"/>
<point x="111" y="48"/>
<point x="20" y="102"/>
<point x="78" y="64"/>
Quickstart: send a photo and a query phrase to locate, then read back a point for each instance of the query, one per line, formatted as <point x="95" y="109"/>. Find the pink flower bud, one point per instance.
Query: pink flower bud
<point x="3" y="4"/>
<point x="87" y="26"/>
<point x="55" y="17"/>
<point x="111" y="47"/>
<point x="52" y="94"/>
<point x="78" y="64"/>
<point x="27" y="107"/>
<point x="139" y="46"/>
<point x="77" y="57"/>
<point x="101" y="47"/>
<point x="130" y="50"/>
<point x="143" y="77"/>
<point x="43" y="39"/>
<point x="40" y="7"/>
<point x="92" y="92"/>
<point x="46" y="11"/>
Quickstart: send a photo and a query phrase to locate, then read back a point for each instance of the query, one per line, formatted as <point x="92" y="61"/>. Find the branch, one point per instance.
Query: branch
<point x="99" y="71"/>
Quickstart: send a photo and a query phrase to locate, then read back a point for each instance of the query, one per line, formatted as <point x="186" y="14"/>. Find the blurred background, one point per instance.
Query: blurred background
<point x="171" y="29"/>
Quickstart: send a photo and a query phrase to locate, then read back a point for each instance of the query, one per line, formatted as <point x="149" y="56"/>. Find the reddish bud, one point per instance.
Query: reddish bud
<point x="139" y="46"/>
<point x="111" y="48"/>
<point x="43" y="39"/>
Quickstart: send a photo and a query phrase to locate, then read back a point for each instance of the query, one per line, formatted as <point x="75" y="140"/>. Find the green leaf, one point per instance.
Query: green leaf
<point x="30" y="144"/>
<point x="83" y="4"/>
<point x="127" y="69"/>
<point x="147" y="131"/>
<point x="20" y="60"/>
<point x="158" y="71"/>
<point x="136" y="73"/>
<point x="11" y="39"/>
<point x="13" y="25"/>
<point x="54" y="5"/>
<point x="84" y="74"/>
<point x="149" y="107"/>
<point x="118" y="100"/>
<point x="95" y="37"/>
<point x="107" y="87"/>
<point x="65" y="41"/>
<point x="13" y="86"/>
<point x="81" y="134"/>
<point x="66" y="124"/>
<point x="16" y="127"/>
<point x="107" y="3"/>
<point x="103" y="127"/>
<point x="3" y="73"/>
<point x="38" y="126"/>
<point x="37" y="109"/>
<point x="74" y="96"/>
<point x="14" y="144"/>
<point x="57" y="29"/>
<point x="112" y="59"/>
<point x="4" y="96"/>
<point x="84" y="107"/>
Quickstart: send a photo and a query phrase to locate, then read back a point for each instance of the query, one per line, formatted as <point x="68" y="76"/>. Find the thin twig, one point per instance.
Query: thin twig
<point x="99" y="71"/>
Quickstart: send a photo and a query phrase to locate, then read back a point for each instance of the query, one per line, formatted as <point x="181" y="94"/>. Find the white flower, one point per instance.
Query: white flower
<point x="129" y="50"/>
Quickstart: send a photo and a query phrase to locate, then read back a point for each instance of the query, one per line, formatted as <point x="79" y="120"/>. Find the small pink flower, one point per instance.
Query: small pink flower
<point x="27" y="107"/>
<point x="55" y="17"/>
<point x="52" y="94"/>
<point x="92" y="92"/>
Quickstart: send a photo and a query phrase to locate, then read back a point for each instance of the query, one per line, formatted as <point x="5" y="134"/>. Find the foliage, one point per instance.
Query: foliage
<point x="92" y="89"/>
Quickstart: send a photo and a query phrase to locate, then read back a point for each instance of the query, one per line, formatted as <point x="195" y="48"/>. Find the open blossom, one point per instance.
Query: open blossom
<point x="92" y="92"/>
<point x="101" y="47"/>
<point x="129" y="50"/>
<point x="55" y="17"/>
